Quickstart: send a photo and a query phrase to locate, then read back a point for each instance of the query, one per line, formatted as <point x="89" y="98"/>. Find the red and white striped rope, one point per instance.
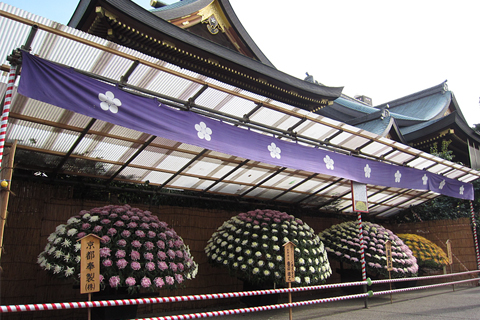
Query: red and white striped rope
<point x="256" y="309"/>
<point x="475" y="238"/>
<point x="123" y="302"/>
<point x="291" y="305"/>
<point x="362" y="246"/>
<point x="378" y="293"/>
<point x="429" y="277"/>
<point x="6" y="109"/>
<point x="108" y="303"/>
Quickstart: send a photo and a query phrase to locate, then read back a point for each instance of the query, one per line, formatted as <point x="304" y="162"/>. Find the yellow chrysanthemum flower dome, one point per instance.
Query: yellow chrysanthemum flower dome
<point x="428" y="254"/>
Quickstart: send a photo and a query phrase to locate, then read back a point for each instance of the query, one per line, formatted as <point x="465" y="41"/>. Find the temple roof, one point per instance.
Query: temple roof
<point x="185" y="8"/>
<point x="128" y="24"/>
<point x="420" y="119"/>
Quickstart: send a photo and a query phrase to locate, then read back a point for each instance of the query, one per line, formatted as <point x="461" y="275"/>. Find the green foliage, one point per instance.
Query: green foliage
<point x="444" y="153"/>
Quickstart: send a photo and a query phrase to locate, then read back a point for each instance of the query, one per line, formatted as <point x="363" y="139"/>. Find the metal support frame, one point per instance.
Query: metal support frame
<point x="139" y="150"/>
<point x="198" y="156"/>
<point x="73" y="147"/>
<point x="226" y="175"/>
<point x="280" y="170"/>
<point x="295" y="186"/>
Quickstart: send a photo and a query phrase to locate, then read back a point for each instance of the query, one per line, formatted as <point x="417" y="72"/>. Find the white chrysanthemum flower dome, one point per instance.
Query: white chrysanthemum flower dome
<point x="255" y="238"/>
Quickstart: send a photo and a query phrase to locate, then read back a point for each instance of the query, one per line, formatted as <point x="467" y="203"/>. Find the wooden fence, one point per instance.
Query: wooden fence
<point x="36" y="209"/>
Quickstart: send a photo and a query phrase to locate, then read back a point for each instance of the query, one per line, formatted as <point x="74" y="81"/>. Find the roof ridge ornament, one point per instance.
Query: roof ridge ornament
<point x="445" y="87"/>
<point x="213" y="16"/>
<point x="385" y="112"/>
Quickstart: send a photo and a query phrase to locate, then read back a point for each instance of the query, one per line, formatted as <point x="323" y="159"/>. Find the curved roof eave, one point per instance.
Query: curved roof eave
<point x="180" y="9"/>
<point x="186" y="7"/>
<point x="243" y="33"/>
<point x="420" y="130"/>
<point x="147" y="19"/>
<point x="415" y="96"/>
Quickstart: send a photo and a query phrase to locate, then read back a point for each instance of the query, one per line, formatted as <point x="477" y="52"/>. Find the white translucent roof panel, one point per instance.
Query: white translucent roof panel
<point x="205" y="167"/>
<point x="349" y="141"/>
<point x="150" y="157"/>
<point x="213" y="99"/>
<point x="28" y="134"/>
<point x="174" y="162"/>
<point x="318" y="131"/>
<point x="250" y="175"/>
<point x="156" y="177"/>
<point x="227" y="188"/>
<point x="108" y="149"/>
<point x="54" y="131"/>
<point x="267" y="116"/>
<point x="263" y="193"/>
<point x="168" y="84"/>
<point x="399" y="157"/>
<point x="184" y="182"/>
<point x="376" y="149"/>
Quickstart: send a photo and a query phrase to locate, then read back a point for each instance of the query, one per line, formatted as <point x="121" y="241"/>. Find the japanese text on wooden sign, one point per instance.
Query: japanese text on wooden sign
<point x="289" y="262"/>
<point x="90" y="264"/>
<point x="388" y="253"/>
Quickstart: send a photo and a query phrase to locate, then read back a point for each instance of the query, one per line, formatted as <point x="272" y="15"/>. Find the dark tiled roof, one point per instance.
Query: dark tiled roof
<point x="288" y="88"/>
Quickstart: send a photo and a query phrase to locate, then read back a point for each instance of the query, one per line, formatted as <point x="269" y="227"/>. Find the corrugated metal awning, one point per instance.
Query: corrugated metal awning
<point x="54" y="140"/>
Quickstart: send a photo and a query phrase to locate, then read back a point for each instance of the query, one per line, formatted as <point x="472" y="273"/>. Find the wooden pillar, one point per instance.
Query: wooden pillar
<point x="6" y="175"/>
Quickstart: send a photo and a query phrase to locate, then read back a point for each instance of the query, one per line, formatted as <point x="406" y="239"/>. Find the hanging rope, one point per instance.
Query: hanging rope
<point x="6" y="110"/>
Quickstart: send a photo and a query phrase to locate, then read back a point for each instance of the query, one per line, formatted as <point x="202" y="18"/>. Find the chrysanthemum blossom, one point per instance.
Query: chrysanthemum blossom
<point x="337" y="237"/>
<point x="244" y="244"/>
<point x="136" y="249"/>
<point x="428" y="254"/>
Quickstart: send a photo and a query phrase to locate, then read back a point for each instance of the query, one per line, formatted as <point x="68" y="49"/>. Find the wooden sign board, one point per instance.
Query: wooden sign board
<point x="90" y="264"/>
<point x="388" y="253"/>
<point x="449" y="252"/>
<point x="289" y="248"/>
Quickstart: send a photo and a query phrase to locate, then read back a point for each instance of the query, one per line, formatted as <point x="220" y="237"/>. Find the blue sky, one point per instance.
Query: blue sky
<point x="382" y="49"/>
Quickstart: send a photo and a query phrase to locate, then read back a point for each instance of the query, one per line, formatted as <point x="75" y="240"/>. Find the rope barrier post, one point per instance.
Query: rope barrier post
<point x="289" y="257"/>
<point x="450" y="257"/>
<point x="290" y="301"/>
<point x="475" y="238"/>
<point x="7" y="174"/>
<point x="362" y="255"/>
<point x="388" y="253"/>
<point x="15" y="62"/>
<point x="89" y="317"/>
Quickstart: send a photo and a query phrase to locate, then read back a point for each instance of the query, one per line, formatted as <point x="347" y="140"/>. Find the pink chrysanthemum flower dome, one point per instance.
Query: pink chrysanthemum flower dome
<point x="135" y="247"/>
<point x="343" y="244"/>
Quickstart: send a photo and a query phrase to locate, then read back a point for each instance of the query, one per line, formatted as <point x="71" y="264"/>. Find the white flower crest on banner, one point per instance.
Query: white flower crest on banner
<point x="329" y="162"/>
<point x="367" y="170"/>
<point x="204" y="132"/>
<point x="425" y="179"/>
<point x="109" y="102"/>
<point x="442" y="184"/>
<point x="274" y="150"/>
<point x="398" y="176"/>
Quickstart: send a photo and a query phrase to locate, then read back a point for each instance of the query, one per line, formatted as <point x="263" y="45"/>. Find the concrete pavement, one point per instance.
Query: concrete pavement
<point x="427" y="304"/>
<point x="438" y="303"/>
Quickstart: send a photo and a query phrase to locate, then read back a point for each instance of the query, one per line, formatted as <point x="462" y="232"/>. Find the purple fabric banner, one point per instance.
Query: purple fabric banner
<point x="65" y="88"/>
